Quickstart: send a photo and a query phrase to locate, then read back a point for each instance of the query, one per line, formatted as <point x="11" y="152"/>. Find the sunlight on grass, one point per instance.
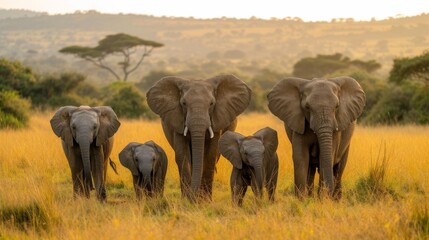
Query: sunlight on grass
<point x="390" y="163"/>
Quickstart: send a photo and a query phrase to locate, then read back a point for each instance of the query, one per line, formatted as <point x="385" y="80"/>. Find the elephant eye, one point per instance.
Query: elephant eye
<point x="212" y="103"/>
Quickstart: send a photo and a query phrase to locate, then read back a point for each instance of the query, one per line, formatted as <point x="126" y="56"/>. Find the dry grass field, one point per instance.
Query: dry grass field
<point x="386" y="191"/>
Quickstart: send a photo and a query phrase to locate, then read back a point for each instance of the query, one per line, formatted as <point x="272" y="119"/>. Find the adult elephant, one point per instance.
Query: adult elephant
<point x="320" y="117"/>
<point x="87" y="140"/>
<point x="194" y="115"/>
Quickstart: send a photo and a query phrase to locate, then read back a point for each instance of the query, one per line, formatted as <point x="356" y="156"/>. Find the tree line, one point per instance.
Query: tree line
<point x="402" y="98"/>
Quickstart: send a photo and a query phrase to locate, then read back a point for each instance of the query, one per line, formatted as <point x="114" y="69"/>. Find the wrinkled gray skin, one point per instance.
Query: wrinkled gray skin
<point x="87" y="139"/>
<point x="147" y="163"/>
<point x="194" y="115"/>
<point x="255" y="162"/>
<point x="319" y="116"/>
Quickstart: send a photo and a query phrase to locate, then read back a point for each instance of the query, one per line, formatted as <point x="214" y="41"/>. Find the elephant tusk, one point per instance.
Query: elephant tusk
<point x="336" y="129"/>
<point x="211" y="132"/>
<point x="185" y="131"/>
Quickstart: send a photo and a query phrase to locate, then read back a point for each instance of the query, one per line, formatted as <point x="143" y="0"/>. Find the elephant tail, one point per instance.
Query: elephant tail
<point x="113" y="165"/>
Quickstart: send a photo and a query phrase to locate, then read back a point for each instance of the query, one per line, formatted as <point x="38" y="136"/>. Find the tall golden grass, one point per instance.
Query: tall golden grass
<point x="385" y="192"/>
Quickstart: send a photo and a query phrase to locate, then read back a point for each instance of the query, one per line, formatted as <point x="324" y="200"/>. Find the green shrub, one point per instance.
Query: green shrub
<point x="392" y="108"/>
<point x="14" y="76"/>
<point x="127" y="101"/>
<point x="14" y="110"/>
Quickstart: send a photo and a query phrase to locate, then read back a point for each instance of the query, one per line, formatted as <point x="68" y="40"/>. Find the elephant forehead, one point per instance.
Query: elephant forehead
<point x="322" y="92"/>
<point x="321" y="85"/>
<point x="144" y="150"/>
<point x="85" y="116"/>
<point x="252" y="144"/>
<point x="199" y="86"/>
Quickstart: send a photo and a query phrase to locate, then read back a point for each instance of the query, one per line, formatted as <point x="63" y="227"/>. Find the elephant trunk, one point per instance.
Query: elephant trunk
<point x="324" y="136"/>
<point x="146" y="176"/>
<point x="198" y="138"/>
<point x="84" y="145"/>
<point x="259" y="177"/>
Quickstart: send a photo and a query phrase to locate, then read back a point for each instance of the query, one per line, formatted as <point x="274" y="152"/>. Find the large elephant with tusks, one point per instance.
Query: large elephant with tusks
<point x="195" y="113"/>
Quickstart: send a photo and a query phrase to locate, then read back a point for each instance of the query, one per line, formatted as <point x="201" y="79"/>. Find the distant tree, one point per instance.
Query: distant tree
<point x="118" y="44"/>
<point x="149" y="80"/>
<point x="321" y="65"/>
<point x="416" y="68"/>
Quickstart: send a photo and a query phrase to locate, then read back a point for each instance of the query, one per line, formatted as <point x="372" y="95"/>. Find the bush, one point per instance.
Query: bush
<point x="14" y="76"/>
<point x="13" y="110"/>
<point x="127" y="101"/>
<point x="55" y="90"/>
<point x="392" y="108"/>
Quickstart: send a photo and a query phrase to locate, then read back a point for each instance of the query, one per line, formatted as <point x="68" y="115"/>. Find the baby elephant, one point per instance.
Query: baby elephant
<point x="255" y="162"/>
<point x="148" y="165"/>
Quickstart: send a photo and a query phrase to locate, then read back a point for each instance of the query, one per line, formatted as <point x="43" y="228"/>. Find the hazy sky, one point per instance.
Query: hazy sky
<point x="308" y="10"/>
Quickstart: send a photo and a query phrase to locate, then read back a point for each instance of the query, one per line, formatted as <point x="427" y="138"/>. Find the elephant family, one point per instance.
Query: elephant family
<point x="87" y="140"/>
<point x="147" y="163"/>
<point x="189" y="109"/>
<point x="320" y="117"/>
<point x="255" y="162"/>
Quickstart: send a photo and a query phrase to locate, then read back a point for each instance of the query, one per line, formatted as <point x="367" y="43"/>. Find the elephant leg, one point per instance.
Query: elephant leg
<point x="76" y="168"/>
<point x="338" y="173"/>
<point x="182" y="153"/>
<point x="98" y="164"/>
<point x="137" y="189"/>
<point x="183" y="164"/>
<point x="211" y="157"/>
<point x="310" y="178"/>
<point x="238" y="187"/>
<point x="301" y="161"/>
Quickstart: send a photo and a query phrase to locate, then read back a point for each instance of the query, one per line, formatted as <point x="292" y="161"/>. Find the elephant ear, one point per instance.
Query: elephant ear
<point x="162" y="159"/>
<point x="60" y="124"/>
<point x="229" y="147"/>
<point x="232" y="98"/>
<point x="352" y="101"/>
<point x="284" y="101"/>
<point x="109" y="124"/>
<point x="269" y="139"/>
<point x="126" y="157"/>
<point x="163" y="99"/>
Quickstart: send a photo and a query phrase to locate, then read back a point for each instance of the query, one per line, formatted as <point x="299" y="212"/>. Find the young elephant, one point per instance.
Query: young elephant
<point x="148" y="165"/>
<point x="255" y="162"/>
<point x="87" y="140"/>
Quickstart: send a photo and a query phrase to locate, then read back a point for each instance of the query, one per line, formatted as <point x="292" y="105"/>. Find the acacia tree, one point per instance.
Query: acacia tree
<point x="120" y="44"/>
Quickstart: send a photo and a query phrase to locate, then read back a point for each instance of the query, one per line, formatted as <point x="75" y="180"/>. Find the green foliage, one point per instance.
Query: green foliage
<point x="419" y="111"/>
<point x="151" y="78"/>
<point x="13" y="110"/>
<point x="55" y="91"/>
<point x="120" y="43"/>
<point x="127" y="101"/>
<point x="322" y="65"/>
<point x="15" y="76"/>
<point x="392" y="108"/>
<point x="416" y="68"/>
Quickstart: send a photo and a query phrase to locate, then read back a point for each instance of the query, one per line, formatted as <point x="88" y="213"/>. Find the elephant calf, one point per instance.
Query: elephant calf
<point x="87" y="140"/>
<point x="147" y="163"/>
<point x="255" y="162"/>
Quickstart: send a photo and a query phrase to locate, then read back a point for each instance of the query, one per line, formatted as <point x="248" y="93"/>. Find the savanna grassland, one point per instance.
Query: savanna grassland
<point x="385" y="192"/>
